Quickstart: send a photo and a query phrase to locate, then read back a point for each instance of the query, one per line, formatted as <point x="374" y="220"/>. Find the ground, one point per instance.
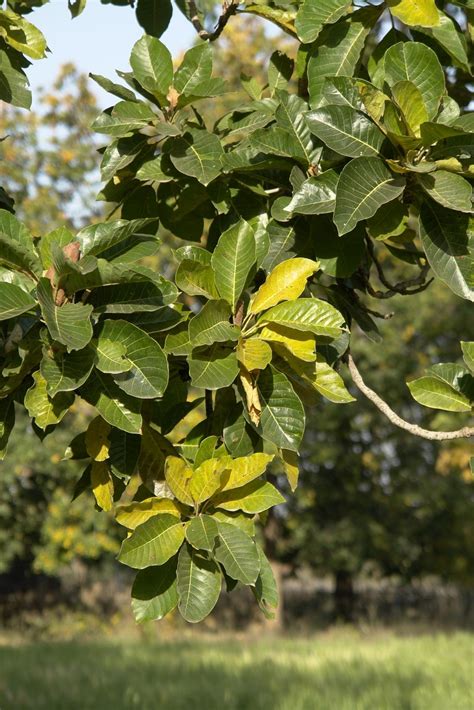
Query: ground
<point x="337" y="670"/>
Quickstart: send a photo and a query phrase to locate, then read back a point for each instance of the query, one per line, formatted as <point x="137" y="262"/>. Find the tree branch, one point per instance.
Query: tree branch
<point x="403" y="288"/>
<point x="466" y="432"/>
<point x="228" y="9"/>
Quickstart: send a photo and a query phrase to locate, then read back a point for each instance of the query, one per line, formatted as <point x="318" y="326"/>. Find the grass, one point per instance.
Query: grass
<point x="339" y="670"/>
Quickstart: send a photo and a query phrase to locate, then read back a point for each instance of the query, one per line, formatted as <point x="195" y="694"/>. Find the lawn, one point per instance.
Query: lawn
<point x="339" y="670"/>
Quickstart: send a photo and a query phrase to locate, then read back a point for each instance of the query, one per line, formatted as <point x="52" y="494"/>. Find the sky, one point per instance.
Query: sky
<point x="98" y="41"/>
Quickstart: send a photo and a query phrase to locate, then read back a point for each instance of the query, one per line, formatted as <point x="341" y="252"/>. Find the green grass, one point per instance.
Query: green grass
<point x="340" y="670"/>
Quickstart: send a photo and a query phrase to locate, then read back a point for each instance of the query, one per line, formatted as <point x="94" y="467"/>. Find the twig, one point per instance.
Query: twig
<point x="466" y="432"/>
<point x="228" y="9"/>
<point x="402" y="288"/>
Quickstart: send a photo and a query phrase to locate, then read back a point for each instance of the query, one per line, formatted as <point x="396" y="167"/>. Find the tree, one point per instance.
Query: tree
<point x="299" y="209"/>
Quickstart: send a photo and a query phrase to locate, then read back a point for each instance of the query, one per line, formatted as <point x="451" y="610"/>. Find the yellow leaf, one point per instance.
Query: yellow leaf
<point x="206" y="479"/>
<point x="245" y="469"/>
<point x="97" y="439"/>
<point x="286" y="282"/>
<point x="254" y="354"/>
<point x="300" y="344"/>
<point x="102" y="485"/>
<point x="254" y="406"/>
<point x="415" y="12"/>
<point x="178" y="475"/>
<point x="290" y="467"/>
<point x="134" y="514"/>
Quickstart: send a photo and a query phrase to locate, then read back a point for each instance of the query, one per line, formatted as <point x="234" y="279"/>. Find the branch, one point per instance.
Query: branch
<point x="228" y="9"/>
<point x="402" y="288"/>
<point x="466" y="432"/>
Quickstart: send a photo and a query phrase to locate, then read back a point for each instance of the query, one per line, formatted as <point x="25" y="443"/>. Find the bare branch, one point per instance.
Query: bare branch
<point x="466" y="432"/>
<point x="228" y="9"/>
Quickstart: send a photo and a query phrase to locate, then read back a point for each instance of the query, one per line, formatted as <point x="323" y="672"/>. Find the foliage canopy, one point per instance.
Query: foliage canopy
<point x="351" y="167"/>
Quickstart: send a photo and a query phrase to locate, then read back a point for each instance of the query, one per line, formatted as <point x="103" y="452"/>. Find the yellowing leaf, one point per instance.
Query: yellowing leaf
<point x="290" y="466"/>
<point x="245" y="469"/>
<point x="102" y="485"/>
<point x="206" y="479"/>
<point x="415" y="12"/>
<point x="300" y="344"/>
<point x="97" y="439"/>
<point x="178" y="475"/>
<point x="254" y="407"/>
<point x="286" y="282"/>
<point x="134" y="514"/>
<point x="254" y="354"/>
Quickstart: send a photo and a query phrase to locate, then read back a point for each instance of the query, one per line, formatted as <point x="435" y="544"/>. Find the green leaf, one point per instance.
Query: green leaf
<point x="13" y="82"/>
<point x="152" y="66"/>
<point x="68" y="324"/>
<point x="147" y="378"/>
<point x="195" y="69"/>
<point x="154" y="15"/>
<point x="346" y="131"/>
<point x="7" y="423"/>
<point x="112" y="240"/>
<point x="451" y="39"/>
<point x="448" y="189"/>
<point x="390" y="220"/>
<point x="253" y="498"/>
<point x="280" y="70"/>
<point x="14" y="301"/>
<point x="409" y="99"/>
<point x="290" y="116"/>
<point x="154" y="592"/>
<point x="286" y="282"/>
<point x="237" y="553"/>
<point x="143" y="295"/>
<point x="282" y="420"/>
<point x="22" y="35"/>
<point x="338" y="48"/>
<point x="114" y="405"/>
<point x="468" y="354"/>
<point x="65" y="372"/>
<point x="266" y="590"/>
<point x="445" y="239"/>
<point x="17" y="250"/>
<point x="153" y="542"/>
<point x="198" y="154"/>
<point x="116" y="89"/>
<point x="201" y="532"/>
<point x="232" y="261"/>
<point x="301" y="345"/>
<point x="46" y="410"/>
<point x="213" y="368"/>
<point x="126" y="118"/>
<point x="199" y="584"/>
<point x="196" y="279"/>
<point x="60" y="236"/>
<point x="317" y="195"/>
<point x="244" y="469"/>
<point x="364" y="185"/>
<point x="415" y="12"/>
<point x="310" y="315"/>
<point x="437" y="394"/>
<point x="324" y="379"/>
<point x="415" y="62"/>
<point x="339" y="257"/>
<point x="313" y="15"/>
<point x="211" y="325"/>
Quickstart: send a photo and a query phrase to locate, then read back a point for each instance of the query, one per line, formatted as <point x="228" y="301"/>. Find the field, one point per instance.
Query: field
<point x="338" y="670"/>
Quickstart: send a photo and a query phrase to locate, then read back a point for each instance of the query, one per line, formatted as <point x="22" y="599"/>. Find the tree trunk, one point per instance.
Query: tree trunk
<point x="344" y="597"/>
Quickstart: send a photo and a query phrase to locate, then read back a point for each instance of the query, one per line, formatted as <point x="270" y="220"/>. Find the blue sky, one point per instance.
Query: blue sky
<point x="99" y="40"/>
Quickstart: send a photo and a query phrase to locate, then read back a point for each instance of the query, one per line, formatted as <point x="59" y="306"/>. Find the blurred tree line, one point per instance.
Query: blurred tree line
<point x="372" y="499"/>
